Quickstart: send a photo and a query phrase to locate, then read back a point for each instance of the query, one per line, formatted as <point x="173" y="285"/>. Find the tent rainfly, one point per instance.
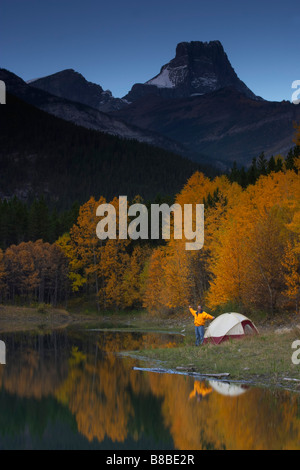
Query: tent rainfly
<point x="229" y="325"/>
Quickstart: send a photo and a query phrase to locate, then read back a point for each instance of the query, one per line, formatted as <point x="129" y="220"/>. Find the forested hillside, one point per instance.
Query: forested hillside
<point x="53" y="176"/>
<point x="44" y="155"/>
<point x="250" y="259"/>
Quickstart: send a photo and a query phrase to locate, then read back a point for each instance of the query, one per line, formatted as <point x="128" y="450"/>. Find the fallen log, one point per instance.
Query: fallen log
<point x="224" y="374"/>
<point x="192" y="369"/>
<point x="173" y="371"/>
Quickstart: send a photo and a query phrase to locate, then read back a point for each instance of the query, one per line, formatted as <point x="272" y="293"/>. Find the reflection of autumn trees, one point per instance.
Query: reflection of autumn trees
<point x="97" y="396"/>
<point x="100" y="393"/>
<point x="101" y="398"/>
<point x="254" y="420"/>
<point x="36" y="365"/>
<point x="109" y="399"/>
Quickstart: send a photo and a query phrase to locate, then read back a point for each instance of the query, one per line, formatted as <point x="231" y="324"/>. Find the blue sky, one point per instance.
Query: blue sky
<point x="118" y="43"/>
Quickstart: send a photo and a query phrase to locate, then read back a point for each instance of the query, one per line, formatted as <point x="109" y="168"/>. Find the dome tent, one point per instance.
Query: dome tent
<point x="229" y="325"/>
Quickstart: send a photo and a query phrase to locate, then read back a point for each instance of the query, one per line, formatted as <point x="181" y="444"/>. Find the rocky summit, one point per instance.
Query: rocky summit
<point x="197" y="68"/>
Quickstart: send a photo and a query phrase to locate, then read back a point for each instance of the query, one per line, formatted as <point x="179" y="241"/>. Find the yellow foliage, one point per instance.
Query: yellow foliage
<point x="246" y="234"/>
<point x="247" y="257"/>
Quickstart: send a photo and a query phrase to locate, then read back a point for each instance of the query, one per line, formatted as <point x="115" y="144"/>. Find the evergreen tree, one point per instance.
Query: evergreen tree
<point x="39" y="220"/>
<point x="243" y="179"/>
<point x="234" y="174"/>
<point x="278" y="165"/>
<point x="262" y="164"/>
<point x="252" y="173"/>
<point x="271" y="165"/>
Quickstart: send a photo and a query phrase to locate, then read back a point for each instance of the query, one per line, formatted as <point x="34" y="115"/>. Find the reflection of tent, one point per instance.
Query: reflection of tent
<point x="228" y="389"/>
<point x="229" y="325"/>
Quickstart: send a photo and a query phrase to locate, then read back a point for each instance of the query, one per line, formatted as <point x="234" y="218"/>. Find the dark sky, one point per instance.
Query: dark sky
<point x="118" y="43"/>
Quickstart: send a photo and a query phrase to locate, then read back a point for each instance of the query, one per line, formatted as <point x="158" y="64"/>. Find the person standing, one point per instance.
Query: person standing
<point x="200" y="317"/>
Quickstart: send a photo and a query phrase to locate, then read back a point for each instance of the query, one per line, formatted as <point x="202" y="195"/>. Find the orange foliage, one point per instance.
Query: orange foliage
<point x="291" y="263"/>
<point x="244" y="255"/>
<point x="133" y="283"/>
<point x="35" y="270"/>
<point x="104" y="264"/>
<point x="247" y="257"/>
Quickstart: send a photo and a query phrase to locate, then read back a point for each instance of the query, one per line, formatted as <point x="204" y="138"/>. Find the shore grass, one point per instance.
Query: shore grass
<point x="261" y="359"/>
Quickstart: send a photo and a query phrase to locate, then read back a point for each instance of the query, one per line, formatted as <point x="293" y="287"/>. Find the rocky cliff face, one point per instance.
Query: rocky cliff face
<point x="198" y="68"/>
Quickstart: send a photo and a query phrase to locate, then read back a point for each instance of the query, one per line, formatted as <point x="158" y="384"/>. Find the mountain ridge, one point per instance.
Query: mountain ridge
<point x="84" y="115"/>
<point x="195" y="106"/>
<point x="72" y="85"/>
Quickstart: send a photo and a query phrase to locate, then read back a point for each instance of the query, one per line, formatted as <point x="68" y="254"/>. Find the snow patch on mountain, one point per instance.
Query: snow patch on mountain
<point x="162" y="80"/>
<point x="169" y="77"/>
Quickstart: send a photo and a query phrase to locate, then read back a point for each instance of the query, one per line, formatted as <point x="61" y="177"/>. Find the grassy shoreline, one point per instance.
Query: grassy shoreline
<point x="264" y="359"/>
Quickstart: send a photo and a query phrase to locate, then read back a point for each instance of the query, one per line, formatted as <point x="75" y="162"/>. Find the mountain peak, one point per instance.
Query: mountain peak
<point x="197" y="68"/>
<point x="197" y="47"/>
<point x="71" y="85"/>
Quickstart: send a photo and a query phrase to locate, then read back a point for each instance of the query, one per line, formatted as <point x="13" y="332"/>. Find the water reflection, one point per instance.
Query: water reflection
<point x="70" y="390"/>
<point x="228" y="389"/>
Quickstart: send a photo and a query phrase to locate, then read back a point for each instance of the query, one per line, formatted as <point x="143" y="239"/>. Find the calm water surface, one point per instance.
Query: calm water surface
<point x="70" y="390"/>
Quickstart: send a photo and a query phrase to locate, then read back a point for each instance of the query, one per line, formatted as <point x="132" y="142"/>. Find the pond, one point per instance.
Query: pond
<point x="70" y="389"/>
